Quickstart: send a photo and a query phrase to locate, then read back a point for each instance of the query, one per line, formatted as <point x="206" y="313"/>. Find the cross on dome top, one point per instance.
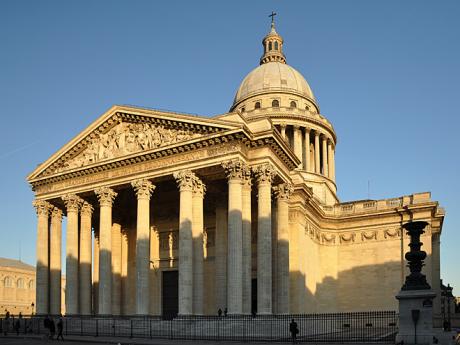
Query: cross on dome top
<point x="273" y="45"/>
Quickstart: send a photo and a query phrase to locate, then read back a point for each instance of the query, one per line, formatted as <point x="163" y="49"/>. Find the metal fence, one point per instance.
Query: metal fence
<point x="375" y="326"/>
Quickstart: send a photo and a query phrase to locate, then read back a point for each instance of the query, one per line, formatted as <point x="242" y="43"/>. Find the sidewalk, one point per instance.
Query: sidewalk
<point x="142" y="341"/>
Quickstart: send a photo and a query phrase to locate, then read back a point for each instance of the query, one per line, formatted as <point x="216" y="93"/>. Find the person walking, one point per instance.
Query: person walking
<point x="59" y="329"/>
<point x="17" y="326"/>
<point x="294" y="331"/>
<point x="52" y="328"/>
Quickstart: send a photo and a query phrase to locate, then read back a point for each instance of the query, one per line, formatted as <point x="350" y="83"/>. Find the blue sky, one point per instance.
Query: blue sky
<point x="385" y="73"/>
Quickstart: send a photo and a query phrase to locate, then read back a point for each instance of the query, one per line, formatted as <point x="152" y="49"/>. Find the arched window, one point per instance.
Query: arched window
<point x="31" y="284"/>
<point x="257" y="105"/>
<point x="269" y="45"/>
<point x="8" y="282"/>
<point x="276" y="45"/>
<point x="307" y="107"/>
<point x="242" y="109"/>
<point x="20" y="283"/>
<point x="275" y="103"/>
<point x="293" y="104"/>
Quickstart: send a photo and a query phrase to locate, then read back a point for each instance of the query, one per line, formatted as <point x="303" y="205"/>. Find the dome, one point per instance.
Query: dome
<point x="273" y="77"/>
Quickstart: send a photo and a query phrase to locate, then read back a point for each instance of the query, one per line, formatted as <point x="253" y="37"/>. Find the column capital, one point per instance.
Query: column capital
<point x="56" y="213"/>
<point x="106" y="196"/>
<point x="198" y="187"/>
<point x="296" y="126"/>
<point x="72" y="202"/>
<point x="42" y="207"/>
<point x="317" y="134"/>
<point x="247" y="177"/>
<point x="87" y="208"/>
<point x="143" y="188"/>
<point x="184" y="179"/>
<point x="283" y="191"/>
<point x="283" y="124"/>
<point x="235" y="169"/>
<point x="264" y="173"/>
<point x="307" y="130"/>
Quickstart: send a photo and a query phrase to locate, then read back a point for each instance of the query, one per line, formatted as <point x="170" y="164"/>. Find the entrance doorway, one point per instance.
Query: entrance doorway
<point x="170" y="294"/>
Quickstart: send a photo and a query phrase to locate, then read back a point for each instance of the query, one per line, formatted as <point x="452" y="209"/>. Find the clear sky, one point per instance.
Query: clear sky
<point x="385" y="73"/>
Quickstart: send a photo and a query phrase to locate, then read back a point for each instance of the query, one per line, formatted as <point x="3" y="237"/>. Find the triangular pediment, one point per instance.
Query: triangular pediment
<point x="125" y="131"/>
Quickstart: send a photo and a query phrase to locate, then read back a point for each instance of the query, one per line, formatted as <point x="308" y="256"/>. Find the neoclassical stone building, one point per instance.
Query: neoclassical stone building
<point x="171" y="213"/>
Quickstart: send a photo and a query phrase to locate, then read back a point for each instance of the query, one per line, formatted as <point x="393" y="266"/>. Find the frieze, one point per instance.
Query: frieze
<point x="347" y="237"/>
<point x="132" y="169"/>
<point x="392" y="233"/>
<point x="328" y="238"/>
<point x="368" y="235"/>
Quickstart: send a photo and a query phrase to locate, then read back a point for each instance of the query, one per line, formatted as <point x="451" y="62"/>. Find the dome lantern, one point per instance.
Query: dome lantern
<point x="273" y="45"/>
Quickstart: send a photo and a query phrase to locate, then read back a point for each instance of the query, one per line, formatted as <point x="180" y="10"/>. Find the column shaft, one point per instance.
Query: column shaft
<point x="73" y="204"/>
<point x="144" y="189"/>
<point x="116" y="269"/>
<point x="265" y="174"/>
<point x="106" y="197"/>
<point x="221" y="253"/>
<point x="282" y="271"/>
<point x="96" y="274"/>
<point x="333" y="163"/>
<point x="317" y="160"/>
<point x="325" y="165"/>
<point x="85" y="259"/>
<point x="197" y="234"/>
<point x="124" y="273"/>
<point x="42" y="287"/>
<point x="298" y="143"/>
<point x="307" y="166"/>
<point x="235" y="170"/>
<point x="55" y="261"/>
<point x="247" y="244"/>
<point x="283" y="130"/>
<point x="185" y="182"/>
<point x="329" y="159"/>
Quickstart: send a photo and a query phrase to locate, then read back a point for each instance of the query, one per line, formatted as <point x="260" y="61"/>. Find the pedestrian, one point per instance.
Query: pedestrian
<point x="219" y="312"/>
<point x="46" y="324"/>
<point x="225" y="312"/>
<point x="17" y="326"/>
<point x="59" y="329"/>
<point x="294" y="331"/>
<point x="52" y="329"/>
<point x="6" y="324"/>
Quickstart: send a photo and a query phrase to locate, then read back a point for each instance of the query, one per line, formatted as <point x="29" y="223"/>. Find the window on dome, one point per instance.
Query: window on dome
<point x="257" y="105"/>
<point x="8" y="282"/>
<point x="293" y="104"/>
<point x="307" y="107"/>
<point x="275" y="103"/>
<point x="31" y="284"/>
<point x="20" y="283"/>
<point x="276" y="45"/>
<point x="269" y="45"/>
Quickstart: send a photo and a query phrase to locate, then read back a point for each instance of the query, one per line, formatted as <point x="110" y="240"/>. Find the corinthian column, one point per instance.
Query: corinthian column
<point x="317" y="165"/>
<point x="247" y="243"/>
<point x="197" y="234"/>
<point x="185" y="182"/>
<point x="144" y="189"/>
<point x="116" y="268"/>
<point x="283" y="193"/>
<point x="298" y="142"/>
<point x="55" y="261"/>
<point x="42" y="287"/>
<point x="221" y="253"/>
<point x="325" y="165"/>
<point x="235" y="170"/>
<point x="73" y="204"/>
<point x="106" y="197"/>
<point x="264" y="175"/>
<point x="85" y="258"/>
<point x="283" y="130"/>
<point x="307" y="166"/>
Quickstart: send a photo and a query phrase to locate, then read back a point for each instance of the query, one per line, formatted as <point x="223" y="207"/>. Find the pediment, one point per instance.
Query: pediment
<point x="127" y="131"/>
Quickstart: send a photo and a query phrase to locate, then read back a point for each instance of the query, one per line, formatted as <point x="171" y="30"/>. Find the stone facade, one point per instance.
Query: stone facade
<point x="240" y="211"/>
<point x="17" y="288"/>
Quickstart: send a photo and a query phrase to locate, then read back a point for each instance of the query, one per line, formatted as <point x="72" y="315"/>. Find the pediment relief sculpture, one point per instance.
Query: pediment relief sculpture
<point x="124" y="139"/>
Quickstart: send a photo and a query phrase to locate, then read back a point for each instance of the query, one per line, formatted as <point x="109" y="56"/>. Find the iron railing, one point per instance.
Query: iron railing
<point x="374" y="326"/>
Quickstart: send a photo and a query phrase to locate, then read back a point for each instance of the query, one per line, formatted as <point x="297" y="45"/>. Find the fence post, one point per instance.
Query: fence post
<point x="97" y="327"/>
<point x="170" y="329"/>
<point x="131" y="328"/>
<point x="81" y="325"/>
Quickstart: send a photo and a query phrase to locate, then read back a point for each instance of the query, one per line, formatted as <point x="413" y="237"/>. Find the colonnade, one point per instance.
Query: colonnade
<point x="315" y="149"/>
<point x="233" y="247"/>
